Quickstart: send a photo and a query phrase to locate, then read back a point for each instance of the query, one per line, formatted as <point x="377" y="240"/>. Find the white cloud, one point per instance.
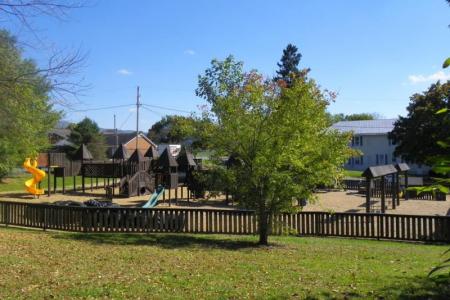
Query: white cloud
<point x="439" y="75"/>
<point x="124" y="72"/>
<point x="189" y="52"/>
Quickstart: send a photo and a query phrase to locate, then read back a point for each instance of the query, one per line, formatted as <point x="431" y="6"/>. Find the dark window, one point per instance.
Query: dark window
<point x="377" y="159"/>
<point x="385" y="159"/>
<point x="361" y="142"/>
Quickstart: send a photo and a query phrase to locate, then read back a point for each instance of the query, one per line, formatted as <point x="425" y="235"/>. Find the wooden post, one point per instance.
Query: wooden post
<point x="406" y="185"/>
<point x="393" y="191"/>
<point x="176" y="195"/>
<point x="74" y="183"/>
<point x="397" y="187"/>
<point x="169" y="197"/>
<point x="91" y="183"/>
<point x="54" y="181"/>
<point x="83" y="187"/>
<point x="48" y="180"/>
<point x="182" y="188"/>
<point x="96" y="182"/>
<point x="368" y="181"/>
<point x="64" y="183"/>
<point x="383" y="194"/>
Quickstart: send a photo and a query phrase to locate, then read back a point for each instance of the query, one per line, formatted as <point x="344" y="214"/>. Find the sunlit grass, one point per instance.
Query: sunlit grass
<point x="37" y="265"/>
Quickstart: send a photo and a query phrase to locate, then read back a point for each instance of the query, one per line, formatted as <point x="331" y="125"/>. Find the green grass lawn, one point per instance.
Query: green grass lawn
<point x="44" y="265"/>
<point x="351" y="173"/>
<point x="16" y="183"/>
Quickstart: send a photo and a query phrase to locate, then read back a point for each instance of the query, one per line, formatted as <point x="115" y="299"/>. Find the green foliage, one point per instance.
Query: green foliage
<point x="221" y="79"/>
<point x="177" y="129"/>
<point x="87" y="132"/>
<point x="446" y="63"/>
<point x="353" y="117"/>
<point x="418" y="133"/>
<point x="26" y="114"/>
<point x="281" y="141"/>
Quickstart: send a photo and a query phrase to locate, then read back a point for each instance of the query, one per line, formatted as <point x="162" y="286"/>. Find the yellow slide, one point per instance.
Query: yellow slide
<point x="38" y="175"/>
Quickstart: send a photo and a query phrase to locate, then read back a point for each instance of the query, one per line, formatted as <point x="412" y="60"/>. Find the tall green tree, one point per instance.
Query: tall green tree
<point x="221" y="79"/>
<point x="417" y="135"/>
<point x="288" y="65"/>
<point x="26" y="114"/>
<point x="87" y="132"/>
<point x="172" y="129"/>
<point x="280" y="141"/>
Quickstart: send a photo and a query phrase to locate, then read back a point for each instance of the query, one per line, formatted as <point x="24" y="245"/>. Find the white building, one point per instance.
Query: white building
<point x="371" y="138"/>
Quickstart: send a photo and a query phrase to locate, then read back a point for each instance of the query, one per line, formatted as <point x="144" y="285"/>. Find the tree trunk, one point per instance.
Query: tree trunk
<point x="263" y="228"/>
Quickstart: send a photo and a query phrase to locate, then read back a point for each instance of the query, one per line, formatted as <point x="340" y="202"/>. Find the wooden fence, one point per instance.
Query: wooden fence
<point x="83" y="219"/>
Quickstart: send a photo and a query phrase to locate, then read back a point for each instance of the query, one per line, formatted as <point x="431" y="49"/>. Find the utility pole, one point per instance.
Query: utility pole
<point x="137" y="142"/>
<point x="115" y="133"/>
<point x="138" y="104"/>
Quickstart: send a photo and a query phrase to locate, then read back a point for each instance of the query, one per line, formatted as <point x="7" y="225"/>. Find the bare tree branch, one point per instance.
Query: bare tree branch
<point x="62" y="70"/>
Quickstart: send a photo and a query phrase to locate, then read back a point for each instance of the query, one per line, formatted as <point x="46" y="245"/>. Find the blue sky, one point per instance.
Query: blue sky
<point x="375" y="54"/>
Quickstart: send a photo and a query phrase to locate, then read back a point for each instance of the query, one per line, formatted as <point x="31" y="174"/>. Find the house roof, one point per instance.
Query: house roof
<point x="61" y="132"/>
<point x="143" y="136"/>
<point x="368" y="127"/>
<point x="123" y="137"/>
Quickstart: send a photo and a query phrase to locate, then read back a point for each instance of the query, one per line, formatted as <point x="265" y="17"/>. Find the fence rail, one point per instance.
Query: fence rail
<point x="82" y="219"/>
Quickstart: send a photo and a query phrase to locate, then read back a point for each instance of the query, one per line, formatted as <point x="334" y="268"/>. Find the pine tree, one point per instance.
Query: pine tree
<point x="288" y="65"/>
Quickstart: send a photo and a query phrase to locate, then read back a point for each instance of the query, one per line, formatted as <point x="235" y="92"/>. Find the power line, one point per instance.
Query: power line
<point x="167" y="108"/>
<point x="152" y="111"/>
<point x="126" y="120"/>
<point x="100" y="108"/>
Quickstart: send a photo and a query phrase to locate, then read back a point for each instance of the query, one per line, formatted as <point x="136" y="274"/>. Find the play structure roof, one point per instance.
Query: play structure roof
<point x="137" y="156"/>
<point x="402" y="167"/>
<point x="378" y="171"/>
<point x="151" y="153"/>
<point x="83" y="153"/>
<point x="121" y="153"/>
<point x="167" y="160"/>
<point x="185" y="159"/>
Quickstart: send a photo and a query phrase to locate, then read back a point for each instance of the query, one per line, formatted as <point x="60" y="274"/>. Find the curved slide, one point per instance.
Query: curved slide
<point x="154" y="198"/>
<point x="38" y="175"/>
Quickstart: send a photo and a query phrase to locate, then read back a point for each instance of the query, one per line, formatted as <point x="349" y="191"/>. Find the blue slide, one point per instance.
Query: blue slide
<point x="154" y="197"/>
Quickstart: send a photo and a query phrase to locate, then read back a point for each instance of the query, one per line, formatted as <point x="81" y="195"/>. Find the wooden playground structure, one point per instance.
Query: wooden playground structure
<point x="134" y="175"/>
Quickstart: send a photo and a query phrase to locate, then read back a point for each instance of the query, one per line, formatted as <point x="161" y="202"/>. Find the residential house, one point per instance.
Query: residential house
<point x="128" y="139"/>
<point x="371" y="138"/>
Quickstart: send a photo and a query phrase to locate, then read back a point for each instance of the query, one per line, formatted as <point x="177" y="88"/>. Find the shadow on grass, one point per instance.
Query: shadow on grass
<point x="436" y="287"/>
<point x="163" y="240"/>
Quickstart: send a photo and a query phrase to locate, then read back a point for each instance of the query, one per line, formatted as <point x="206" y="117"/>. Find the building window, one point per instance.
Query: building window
<point x="385" y="159"/>
<point x="391" y="142"/>
<point x="361" y="140"/>
<point x="362" y="159"/>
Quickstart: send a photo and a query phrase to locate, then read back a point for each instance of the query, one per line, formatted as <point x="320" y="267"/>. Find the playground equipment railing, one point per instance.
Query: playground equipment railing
<point x="138" y="220"/>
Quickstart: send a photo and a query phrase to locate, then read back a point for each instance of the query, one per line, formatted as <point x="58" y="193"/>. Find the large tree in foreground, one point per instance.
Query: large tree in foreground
<point x="417" y="135"/>
<point x="26" y="115"/>
<point x="281" y="144"/>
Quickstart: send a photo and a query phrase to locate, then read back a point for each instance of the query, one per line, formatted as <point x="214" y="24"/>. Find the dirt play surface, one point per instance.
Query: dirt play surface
<point x="336" y="201"/>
